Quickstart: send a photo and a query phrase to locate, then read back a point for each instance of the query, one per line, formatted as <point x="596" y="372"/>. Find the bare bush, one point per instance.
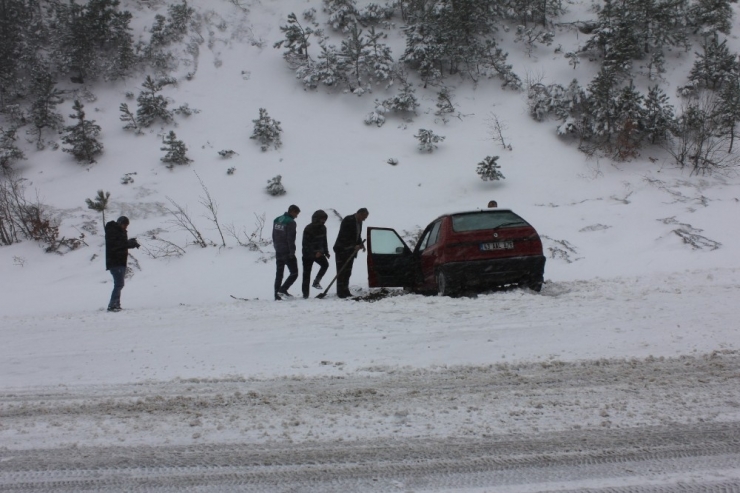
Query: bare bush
<point x="699" y="140"/>
<point x="156" y="248"/>
<point x="23" y="218"/>
<point x="254" y="241"/>
<point x="497" y="127"/>
<point x="183" y="221"/>
<point x="212" y="208"/>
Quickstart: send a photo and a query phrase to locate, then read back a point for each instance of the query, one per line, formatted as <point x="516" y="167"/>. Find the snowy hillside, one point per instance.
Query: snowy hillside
<point x="598" y="218"/>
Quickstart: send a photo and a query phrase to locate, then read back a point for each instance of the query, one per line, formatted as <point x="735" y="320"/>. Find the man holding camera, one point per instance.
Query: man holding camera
<point x="117" y="245"/>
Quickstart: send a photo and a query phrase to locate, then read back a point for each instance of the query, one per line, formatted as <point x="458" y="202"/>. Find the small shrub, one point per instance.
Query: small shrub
<point x="176" y="151"/>
<point x="489" y="169"/>
<point x="428" y="140"/>
<point x="266" y="131"/>
<point x="227" y="154"/>
<point x="275" y="187"/>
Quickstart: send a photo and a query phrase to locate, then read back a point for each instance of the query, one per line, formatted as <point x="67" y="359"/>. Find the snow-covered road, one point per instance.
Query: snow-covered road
<point x="631" y="425"/>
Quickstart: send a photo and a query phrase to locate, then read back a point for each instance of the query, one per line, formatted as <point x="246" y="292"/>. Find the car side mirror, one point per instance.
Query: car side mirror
<point x="399" y="250"/>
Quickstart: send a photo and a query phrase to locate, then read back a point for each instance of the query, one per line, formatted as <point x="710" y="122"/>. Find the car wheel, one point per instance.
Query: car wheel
<point x="444" y="286"/>
<point x="535" y="285"/>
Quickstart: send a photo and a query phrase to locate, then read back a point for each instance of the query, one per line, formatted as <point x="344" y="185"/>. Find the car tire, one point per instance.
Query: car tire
<point x="535" y="285"/>
<point x="444" y="285"/>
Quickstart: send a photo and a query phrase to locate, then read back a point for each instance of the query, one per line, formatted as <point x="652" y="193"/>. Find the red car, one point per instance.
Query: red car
<point x="459" y="252"/>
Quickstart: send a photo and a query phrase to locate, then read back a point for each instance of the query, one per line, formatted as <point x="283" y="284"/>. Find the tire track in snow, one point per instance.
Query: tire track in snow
<point x="640" y="458"/>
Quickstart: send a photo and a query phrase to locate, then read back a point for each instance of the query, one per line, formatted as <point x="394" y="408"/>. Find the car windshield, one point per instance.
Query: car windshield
<point x="474" y="221"/>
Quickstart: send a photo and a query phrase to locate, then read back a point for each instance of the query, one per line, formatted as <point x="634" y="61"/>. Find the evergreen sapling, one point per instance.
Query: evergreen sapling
<point x="176" y="151"/>
<point x="129" y="118"/>
<point x="152" y="106"/>
<point x="489" y="169"/>
<point x="275" y="187"/>
<point x="100" y="203"/>
<point x="266" y="131"/>
<point x="428" y="140"/>
<point x="82" y="136"/>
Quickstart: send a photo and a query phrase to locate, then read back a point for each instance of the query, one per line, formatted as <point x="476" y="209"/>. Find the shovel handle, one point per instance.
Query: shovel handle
<point x="321" y="295"/>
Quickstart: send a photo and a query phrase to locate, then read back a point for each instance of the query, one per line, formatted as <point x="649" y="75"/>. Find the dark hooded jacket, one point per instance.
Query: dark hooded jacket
<point x="117" y="245"/>
<point x="314" y="237"/>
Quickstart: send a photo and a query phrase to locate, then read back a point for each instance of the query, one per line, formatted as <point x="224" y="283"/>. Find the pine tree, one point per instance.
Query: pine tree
<point x="729" y="109"/>
<point x="46" y="98"/>
<point x="152" y="106"/>
<point x="536" y="11"/>
<point x="342" y="14"/>
<point x="710" y="16"/>
<point x="715" y="66"/>
<point x="379" y="59"/>
<point x="100" y="203"/>
<point x="601" y="109"/>
<point x="275" y="187"/>
<point x="176" y="151"/>
<point x="634" y="29"/>
<point x="444" y="102"/>
<point x="82" y="136"/>
<point x="564" y="102"/>
<point x="405" y="101"/>
<point x="331" y="67"/>
<point x="75" y="50"/>
<point x="89" y="36"/>
<point x="123" y="58"/>
<point x="462" y="26"/>
<point x="180" y="16"/>
<point x="630" y="122"/>
<point x="13" y="17"/>
<point x="496" y="60"/>
<point x="428" y="140"/>
<point x="266" y="131"/>
<point x="158" y="33"/>
<point x="374" y="13"/>
<point x="615" y="37"/>
<point x="9" y="152"/>
<point x="129" y="118"/>
<point x="354" y="52"/>
<point x="424" y="50"/>
<point x="489" y="169"/>
<point x="154" y="52"/>
<point x="659" y="117"/>
<point x="296" y="40"/>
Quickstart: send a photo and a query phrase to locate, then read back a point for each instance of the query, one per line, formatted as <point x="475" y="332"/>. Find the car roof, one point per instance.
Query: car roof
<point x="473" y="211"/>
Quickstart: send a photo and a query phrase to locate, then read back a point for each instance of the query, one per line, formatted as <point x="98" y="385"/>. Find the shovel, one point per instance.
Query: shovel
<point x="322" y="295"/>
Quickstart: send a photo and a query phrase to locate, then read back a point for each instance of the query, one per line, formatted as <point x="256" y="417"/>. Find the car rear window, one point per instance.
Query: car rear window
<point x="475" y="221"/>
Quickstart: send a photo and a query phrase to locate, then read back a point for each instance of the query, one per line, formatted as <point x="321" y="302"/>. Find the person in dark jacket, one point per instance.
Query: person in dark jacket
<point x="315" y="249"/>
<point x="117" y="244"/>
<point x="349" y="242"/>
<point x="283" y="239"/>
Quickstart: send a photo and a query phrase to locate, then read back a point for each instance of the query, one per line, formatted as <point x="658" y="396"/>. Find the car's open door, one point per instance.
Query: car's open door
<point x="389" y="260"/>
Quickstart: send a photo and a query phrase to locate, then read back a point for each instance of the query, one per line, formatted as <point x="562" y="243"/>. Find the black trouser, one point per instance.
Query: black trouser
<point x="344" y="275"/>
<point x="307" y="266"/>
<point x="292" y="263"/>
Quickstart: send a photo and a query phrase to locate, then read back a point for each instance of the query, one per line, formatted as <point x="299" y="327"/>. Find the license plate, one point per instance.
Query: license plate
<point x="497" y="245"/>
